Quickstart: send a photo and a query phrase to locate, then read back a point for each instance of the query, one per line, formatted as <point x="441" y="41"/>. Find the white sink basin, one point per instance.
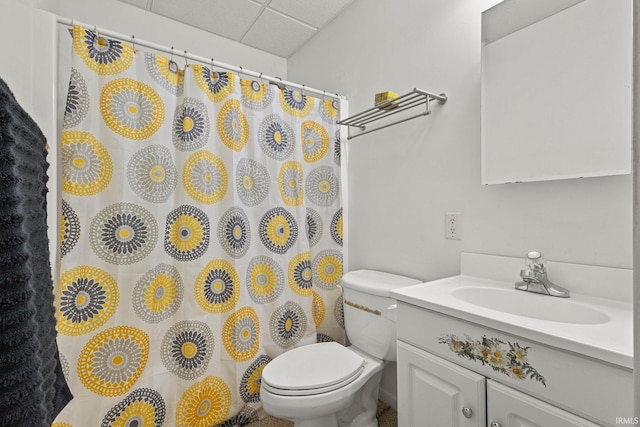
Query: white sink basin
<point x="531" y="305"/>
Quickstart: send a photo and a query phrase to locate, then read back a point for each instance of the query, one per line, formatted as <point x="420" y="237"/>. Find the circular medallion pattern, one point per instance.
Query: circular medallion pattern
<point x="165" y="72"/>
<point x="314" y="227"/>
<point x="131" y="108"/>
<point x="318" y="310"/>
<point x="276" y="137"/>
<point x="338" y="311"/>
<point x="187" y="348"/>
<point x="217" y="287"/>
<point x="103" y="56"/>
<point x="252" y="182"/>
<point x="322" y="186"/>
<point x="204" y="404"/>
<point x="69" y="229"/>
<point x="78" y="101"/>
<point x="288" y="324"/>
<point x="232" y="125"/>
<point x="241" y="334"/>
<point x="290" y="182"/>
<point x="190" y="125"/>
<point x="256" y="95"/>
<point x="86" y="164"/>
<point x="113" y="360"/>
<point x="123" y="233"/>
<point x="336" y="227"/>
<point x="278" y="230"/>
<point x="324" y="338"/>
<point x="143" y="407"/>
<point x="186" y="235"/>
<point x="251" y="380"/>
<point x="295" y="103"/>
<point x="265" y="280"/>
<point x="87" y="299"/>
<point x="152" y="174"/>
<point x="315" y="141"/>
<point x="300" y="275"/>
<point x="329" y="110"/>
<point x="217" y="85"/>
<point x="205" y="177"/>
<point x="234" y="232"/>
<point x="247" y="415"/>
<point x="327" y="269"/>
<point x="158" y="294"/>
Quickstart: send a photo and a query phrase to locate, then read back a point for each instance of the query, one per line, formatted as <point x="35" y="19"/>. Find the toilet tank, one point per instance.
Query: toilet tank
<point x="370" y="312"/>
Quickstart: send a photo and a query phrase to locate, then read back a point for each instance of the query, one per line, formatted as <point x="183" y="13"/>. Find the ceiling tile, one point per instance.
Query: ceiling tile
<point x="226" y="18"/>
<point x="313" y="12"/>
<point x="277" y="34"/>
<point x="140" y="3"/>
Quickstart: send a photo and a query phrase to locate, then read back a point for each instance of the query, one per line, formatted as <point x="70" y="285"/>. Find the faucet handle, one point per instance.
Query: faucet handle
<point x="535" y="261"/>
<point x="534" y="255"/>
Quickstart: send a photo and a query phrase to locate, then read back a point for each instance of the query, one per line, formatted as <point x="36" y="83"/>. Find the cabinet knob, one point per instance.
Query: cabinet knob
<point x="467" y="412"/>
<point x="495" y="424"/>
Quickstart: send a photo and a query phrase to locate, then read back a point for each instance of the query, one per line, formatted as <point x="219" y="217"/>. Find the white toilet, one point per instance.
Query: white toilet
<point x="326" y="384"/>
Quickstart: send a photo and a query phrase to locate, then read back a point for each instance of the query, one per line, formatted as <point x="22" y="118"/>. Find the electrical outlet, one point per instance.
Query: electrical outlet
<point x="452" y="225"/>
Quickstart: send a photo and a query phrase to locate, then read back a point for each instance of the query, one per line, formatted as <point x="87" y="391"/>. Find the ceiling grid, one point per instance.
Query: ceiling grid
<point x="279" y="27"/>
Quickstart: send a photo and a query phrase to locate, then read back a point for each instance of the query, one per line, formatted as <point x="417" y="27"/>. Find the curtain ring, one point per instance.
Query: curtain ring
<point x="240" y="72"/>
<point x="302" y="92"/>
<point x="95" y="30"/>
<point x="260" y="78"/>
<point x="186" y="60"/>
<point x="133" y="42"/>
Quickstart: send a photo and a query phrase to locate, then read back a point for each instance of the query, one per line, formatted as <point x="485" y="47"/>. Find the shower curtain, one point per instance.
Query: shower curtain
<point x="200" y="236"/>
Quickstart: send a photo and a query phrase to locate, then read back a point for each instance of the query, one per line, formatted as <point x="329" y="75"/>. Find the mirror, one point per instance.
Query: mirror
<point x="556" y="90"/>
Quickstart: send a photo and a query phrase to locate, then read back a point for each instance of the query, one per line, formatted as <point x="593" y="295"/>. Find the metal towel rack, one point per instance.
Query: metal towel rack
<point x="415" y="98"/>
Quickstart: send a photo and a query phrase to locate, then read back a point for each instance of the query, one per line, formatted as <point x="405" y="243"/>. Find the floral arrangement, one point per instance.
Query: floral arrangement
<point x="493" y="352"/>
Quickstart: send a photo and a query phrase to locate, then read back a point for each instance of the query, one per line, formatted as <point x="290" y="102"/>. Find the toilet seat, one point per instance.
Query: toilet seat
<point x="312" y="369"/>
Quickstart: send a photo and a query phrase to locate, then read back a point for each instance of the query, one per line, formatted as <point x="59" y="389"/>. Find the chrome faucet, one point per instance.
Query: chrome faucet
<point x="534" y="279"/>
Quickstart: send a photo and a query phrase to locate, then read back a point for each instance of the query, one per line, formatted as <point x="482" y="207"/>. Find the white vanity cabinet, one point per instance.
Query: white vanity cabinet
<point x="473" y="351"/>
<point x="507" y="407"/>
<point x="455" y="373"/>
<point x="435" y="392"/>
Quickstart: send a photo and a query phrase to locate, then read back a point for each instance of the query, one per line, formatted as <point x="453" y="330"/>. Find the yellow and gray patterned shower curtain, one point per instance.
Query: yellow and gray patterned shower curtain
<point x="201" y="236"/>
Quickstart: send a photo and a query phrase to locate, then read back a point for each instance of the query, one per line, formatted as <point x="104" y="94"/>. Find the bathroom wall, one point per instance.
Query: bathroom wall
<point x="403" y="179"/>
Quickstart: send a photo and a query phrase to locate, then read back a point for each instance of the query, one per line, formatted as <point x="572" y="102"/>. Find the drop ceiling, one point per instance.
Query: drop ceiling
<point x="279" y="27"/>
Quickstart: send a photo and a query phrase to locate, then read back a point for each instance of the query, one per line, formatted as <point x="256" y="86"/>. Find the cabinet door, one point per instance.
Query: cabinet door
<point x="435" y="393"/>
<point x="507" y="407"/>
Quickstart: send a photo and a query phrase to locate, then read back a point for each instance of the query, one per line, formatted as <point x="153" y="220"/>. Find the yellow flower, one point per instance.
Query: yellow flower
<point x="517" y="372"/>
<point x="484" y="352"/>
<point x="455" y="346"/>
<point x="496" y="357"/>
<point x="521" y="355"/>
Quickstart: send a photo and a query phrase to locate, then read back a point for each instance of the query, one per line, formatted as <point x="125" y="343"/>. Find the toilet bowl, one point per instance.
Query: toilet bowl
<point x="327" y="384"/>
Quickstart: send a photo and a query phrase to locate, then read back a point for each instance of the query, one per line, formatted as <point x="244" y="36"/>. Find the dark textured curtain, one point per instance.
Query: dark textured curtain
<point x="32" y="386"/>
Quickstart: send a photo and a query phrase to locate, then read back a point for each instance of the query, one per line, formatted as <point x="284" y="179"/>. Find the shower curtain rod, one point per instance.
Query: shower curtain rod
<point x="210" y="61"/>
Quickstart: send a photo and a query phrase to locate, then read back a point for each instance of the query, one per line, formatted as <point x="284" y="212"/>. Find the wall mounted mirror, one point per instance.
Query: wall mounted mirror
<point x="556" y="90"/>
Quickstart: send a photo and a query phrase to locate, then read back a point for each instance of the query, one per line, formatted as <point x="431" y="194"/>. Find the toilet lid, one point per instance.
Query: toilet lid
<point x="307" y="369"/>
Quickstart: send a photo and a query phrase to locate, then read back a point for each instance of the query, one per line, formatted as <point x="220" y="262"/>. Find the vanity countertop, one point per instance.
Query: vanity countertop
<point x="593" y="322"/>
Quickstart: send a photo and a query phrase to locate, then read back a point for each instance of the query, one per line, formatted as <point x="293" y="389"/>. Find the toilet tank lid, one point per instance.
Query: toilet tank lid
<point x="376" y="282"/>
